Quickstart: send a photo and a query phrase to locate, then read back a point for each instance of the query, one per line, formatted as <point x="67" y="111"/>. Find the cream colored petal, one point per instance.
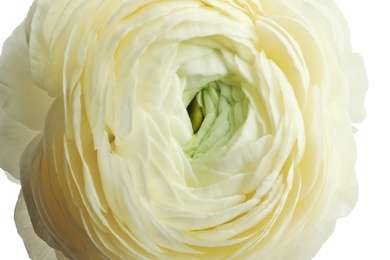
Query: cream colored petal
<point x="14" y="137"/>
<point x="356" y="75"/>
<point x="23" y="100"/>
<point x="23" y="104"/>
<point x="327" y="20"/>
<point x="45" y="22"/>
<point x="37" y="249"/>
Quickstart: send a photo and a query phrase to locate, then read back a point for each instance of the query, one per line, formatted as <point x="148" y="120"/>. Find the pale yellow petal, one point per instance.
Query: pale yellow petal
<point x="23" y="100"/>
<point x="37" y="249"/>
<point x="356" y="75"/>
<point x="23" y="105"/>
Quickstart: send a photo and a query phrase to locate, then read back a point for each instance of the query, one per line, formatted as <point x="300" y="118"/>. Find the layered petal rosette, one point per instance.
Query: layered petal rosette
<point x="180" y="129"/>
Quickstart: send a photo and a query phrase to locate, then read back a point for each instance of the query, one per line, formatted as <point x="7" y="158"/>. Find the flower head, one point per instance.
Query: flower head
<point x="180" y="129"/>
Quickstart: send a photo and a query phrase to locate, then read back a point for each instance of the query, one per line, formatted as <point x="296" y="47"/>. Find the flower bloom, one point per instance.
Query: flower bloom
<point x="180" y="129"/>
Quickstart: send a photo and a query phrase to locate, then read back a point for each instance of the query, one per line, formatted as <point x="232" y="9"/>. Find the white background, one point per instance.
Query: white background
<point x="365" y="234"/>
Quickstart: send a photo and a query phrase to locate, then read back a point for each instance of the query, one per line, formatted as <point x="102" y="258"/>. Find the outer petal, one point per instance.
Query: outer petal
<point x="23" y="104"/>
<point x="36" y="247"/>
<point x="14" y="137"/>
<point x="355" y="72"/>
<point x="326" y="17"/>
<point x="48" y="28"/>
<point x="24" y="101"/>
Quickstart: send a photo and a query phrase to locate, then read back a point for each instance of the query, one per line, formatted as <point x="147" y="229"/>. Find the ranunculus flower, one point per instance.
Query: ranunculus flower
<point x="180" y="129"/>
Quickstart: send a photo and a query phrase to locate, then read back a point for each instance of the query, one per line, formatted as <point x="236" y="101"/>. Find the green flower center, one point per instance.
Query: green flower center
<point x="217" y="111"/>
<point x="195" y="113"/>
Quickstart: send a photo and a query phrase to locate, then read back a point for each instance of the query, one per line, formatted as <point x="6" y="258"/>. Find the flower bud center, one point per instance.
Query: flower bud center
<point x="216" y="112"/>
<point x="196" y="114"/>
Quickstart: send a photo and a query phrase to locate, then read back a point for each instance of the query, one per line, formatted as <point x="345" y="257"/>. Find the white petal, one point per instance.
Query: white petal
<point x="23" y="104"/>
<point x="46" y="21"/>
<point x="14" y="138"/>
<point x="357" y="81"/>
<point x="23" y="100"/>
<point x="36" y="247"/>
